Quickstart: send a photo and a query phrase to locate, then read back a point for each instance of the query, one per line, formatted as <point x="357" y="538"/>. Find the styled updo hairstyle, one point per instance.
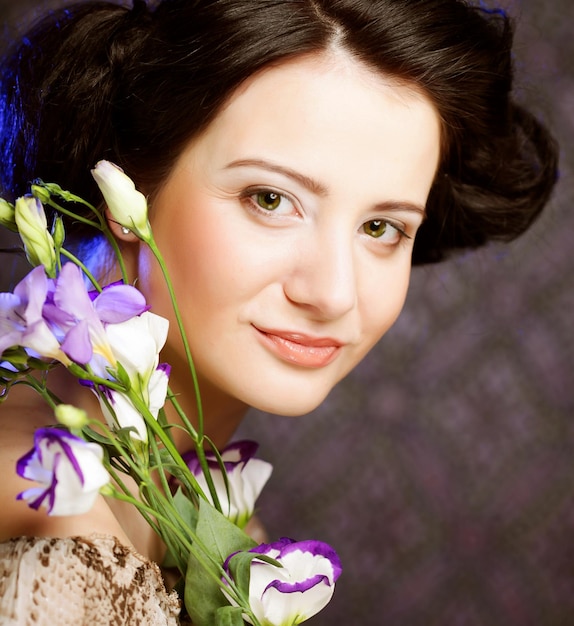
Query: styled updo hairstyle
<point x="134" y="86"/>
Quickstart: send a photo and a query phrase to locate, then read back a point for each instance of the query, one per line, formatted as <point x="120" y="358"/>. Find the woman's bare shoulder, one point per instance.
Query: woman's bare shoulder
<point x="20" y="416"/>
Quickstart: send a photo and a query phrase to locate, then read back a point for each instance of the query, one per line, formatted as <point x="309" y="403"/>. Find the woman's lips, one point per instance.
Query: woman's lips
<point x="300" y="349"/>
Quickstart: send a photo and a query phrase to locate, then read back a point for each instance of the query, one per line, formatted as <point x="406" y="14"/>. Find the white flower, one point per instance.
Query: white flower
<point x="136" y="344"/>
<point x="291" y="594"/>
<point x="246" y="478"/>
<point x="69" y="469"/>
<point x="33" y="228"/>
<point x="127" y="205"/>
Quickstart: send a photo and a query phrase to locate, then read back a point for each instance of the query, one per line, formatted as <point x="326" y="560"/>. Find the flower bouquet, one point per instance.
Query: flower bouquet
<point x="198" y="502"/>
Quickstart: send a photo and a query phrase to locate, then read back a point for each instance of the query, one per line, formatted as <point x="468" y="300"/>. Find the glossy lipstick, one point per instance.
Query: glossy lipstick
<point x="300" y="349"/>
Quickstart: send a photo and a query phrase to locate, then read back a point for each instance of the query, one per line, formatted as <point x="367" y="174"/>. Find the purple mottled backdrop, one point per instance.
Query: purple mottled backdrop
<point x="442" y="470"/>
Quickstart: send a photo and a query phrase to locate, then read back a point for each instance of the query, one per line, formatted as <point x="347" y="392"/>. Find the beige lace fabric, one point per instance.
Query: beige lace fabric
<point x="83" y="581"/>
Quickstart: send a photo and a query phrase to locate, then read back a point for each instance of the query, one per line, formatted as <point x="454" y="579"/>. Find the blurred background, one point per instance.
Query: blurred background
<point x="442" y="469"/>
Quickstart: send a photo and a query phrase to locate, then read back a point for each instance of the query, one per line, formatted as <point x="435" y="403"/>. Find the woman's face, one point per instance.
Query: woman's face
<point x="288" y="227"/>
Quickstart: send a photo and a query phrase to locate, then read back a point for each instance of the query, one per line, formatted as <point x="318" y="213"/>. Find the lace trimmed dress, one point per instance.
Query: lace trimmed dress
<point x="79" y="581"/>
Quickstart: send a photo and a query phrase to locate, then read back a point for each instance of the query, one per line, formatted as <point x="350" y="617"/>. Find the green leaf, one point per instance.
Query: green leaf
<point x="220" y="538"/>
<point x="240" y="567"/>
<point x="189" y="514"/>
<point x="95" y="436"/>
<point x="229" y="616"/>
<point x="186" y="509"/>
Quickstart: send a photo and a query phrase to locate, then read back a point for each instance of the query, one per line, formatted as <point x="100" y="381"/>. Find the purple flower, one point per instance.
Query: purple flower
<point x="69" y="470"/>
<point x="78" y="319"/>
<point x="291" y="594"/>
<point x="246" y="478"/>
<point x="21" y="319"/>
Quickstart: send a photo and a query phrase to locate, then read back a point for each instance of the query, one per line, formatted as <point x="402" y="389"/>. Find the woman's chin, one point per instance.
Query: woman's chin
<point x="289" y="404"/>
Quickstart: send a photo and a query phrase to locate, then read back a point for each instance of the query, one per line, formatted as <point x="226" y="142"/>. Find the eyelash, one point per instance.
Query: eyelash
<point x="386" y="222"/>
<point x="248" y="197"/>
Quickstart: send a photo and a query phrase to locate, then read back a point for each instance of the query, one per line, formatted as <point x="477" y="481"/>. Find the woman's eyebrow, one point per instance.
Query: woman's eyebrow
<point x="400" y="205"/>
<point x="309" y="183"/>
<point x="319" y="188"/>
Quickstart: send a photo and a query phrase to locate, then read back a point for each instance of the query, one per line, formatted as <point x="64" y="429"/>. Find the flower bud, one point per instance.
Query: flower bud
<point x="70" y="416"/>
<point x="59" y="233"/>
<point x="40" y="192"/>
<point x="127" y="205"/>
<point x="7" y="215"/>
<point x="33" y="228"/>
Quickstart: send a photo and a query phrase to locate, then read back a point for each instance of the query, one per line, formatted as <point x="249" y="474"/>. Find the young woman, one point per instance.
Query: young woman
<point x="298" y="156"/>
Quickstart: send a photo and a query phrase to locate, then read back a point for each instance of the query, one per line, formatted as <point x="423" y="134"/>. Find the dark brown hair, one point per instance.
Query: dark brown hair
<point x="99" y="81"/>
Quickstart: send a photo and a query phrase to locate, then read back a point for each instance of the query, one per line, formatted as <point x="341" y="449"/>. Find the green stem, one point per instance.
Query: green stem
<point x="199" y="435"/>
<point x="51" y="399"/>
<point x="157" y="254"/>
<point x="165" y="439"/>
<point x="75" y="216"/>
<point x="199" y="449"/>
<point x="102" y="226"/>
<point x="143" y="507"/>
<point x="181" y="413"/>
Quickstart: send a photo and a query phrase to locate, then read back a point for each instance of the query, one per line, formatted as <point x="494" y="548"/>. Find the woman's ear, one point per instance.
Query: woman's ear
<point x="120" y="232"/>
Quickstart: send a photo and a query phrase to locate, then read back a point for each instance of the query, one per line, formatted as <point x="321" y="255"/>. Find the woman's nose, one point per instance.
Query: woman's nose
<point x="323" y="277"/>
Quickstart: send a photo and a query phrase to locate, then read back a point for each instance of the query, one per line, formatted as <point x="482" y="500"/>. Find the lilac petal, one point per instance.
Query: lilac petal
<point x="56" y="316"/>
<point x="9" y="338"/>
<point x="40" y="338"/>
<point x="33" y="289"/>
<point x="94" y="293"/>
<point x="22" y="309"/>
<point x="8" y="302"/>
<point x="70" y="294"/>
<point x="302" y="586"/>
<point x="119" y="303"/>
<point x="77" y="344"/>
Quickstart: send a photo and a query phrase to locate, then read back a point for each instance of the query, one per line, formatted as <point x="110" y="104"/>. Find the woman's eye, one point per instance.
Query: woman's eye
<point x="381" y="229"/>
<point x="375" y="228"/>
<point x="268" y="200"/>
